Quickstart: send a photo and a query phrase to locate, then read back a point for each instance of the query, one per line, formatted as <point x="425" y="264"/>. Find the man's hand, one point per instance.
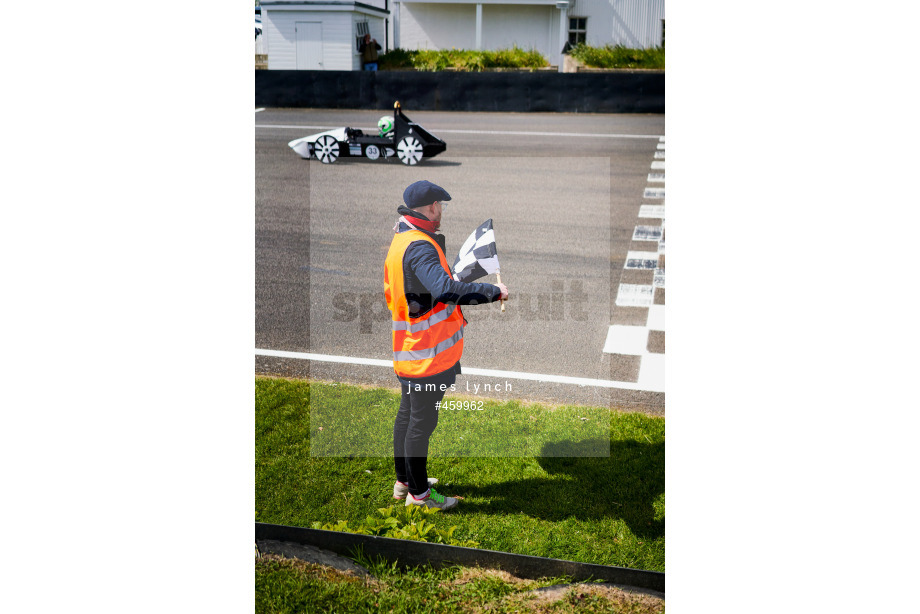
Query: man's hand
<point x="504" y="290"/>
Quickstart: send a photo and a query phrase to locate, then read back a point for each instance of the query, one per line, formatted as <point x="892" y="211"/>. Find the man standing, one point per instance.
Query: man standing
<point x="369" y="49"/>
<point x="427" y="334"/>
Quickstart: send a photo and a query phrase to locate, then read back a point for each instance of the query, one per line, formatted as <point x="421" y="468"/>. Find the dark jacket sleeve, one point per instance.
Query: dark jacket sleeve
<point x="422" y="259"/>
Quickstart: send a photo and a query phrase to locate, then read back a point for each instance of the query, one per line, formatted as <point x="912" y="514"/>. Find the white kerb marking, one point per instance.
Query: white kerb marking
<point x="635" y="295"/>
<point x="658" y="165"/>
<point x="629" y="340"/>
<point x="655" y="317"/>
<point x="656" y="177"/>
<point x="651" y="372"/>
<point x="262" y="109"/>
<point x="653" y="211"/>
<point x="653" y="193"/>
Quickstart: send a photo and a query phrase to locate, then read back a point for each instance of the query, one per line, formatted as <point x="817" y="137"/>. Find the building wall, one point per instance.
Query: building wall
<point x="448" y="25"/>
<point x="437" y="26"/>
<point x="338" y="37"/>
<point x="339" y="31"/>
<point x="528" y="27"/>
<point x="443" y="24"/>
<point x="631" y="23"/>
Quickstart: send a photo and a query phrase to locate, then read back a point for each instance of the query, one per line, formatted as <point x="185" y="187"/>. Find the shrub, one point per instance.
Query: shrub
<point x="516" y="58"/>
<point x="618" y="56"/>
<point x="398" y="59"/>
<point x="461" y="59"/>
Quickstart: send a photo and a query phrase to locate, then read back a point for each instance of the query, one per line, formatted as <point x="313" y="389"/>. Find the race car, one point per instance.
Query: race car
<point x="398" y="136"/>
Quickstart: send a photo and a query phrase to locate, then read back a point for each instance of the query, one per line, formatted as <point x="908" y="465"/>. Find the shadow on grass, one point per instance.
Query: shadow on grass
<point x="623" y="485"/>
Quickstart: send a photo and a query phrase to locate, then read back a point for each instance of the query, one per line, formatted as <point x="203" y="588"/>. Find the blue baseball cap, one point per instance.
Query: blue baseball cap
<point x="423" y="193"/>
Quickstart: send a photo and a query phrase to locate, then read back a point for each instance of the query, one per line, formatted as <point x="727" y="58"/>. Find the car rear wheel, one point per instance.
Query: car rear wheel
<point x="409" y="150"/>
<point x="326" y="149"/>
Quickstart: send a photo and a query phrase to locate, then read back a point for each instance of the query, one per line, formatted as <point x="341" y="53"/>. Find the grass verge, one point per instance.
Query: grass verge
<point x="607" y="510"/>
<point x="291" y="586"/>
<point x="348" y="421"/>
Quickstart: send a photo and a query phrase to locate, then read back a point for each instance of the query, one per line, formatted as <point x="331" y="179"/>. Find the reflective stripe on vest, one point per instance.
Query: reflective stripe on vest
<point x="432" y="343"/>
<point x="430" y="352"/>
<point x="424" y="324"/>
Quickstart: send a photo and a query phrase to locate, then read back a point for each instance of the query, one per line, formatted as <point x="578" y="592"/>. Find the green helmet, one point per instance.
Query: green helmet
<point x="385" y="125"/>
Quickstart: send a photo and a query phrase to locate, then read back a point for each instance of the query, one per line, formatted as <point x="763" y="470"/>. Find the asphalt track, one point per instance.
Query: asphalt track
<point x="564" y="192"/>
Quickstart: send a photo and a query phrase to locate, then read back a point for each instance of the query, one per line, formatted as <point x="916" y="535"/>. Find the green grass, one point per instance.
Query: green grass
<point x="348" y="421"/>
<point x="461" y="59"/>
<point x="617" y="56"/>
<point x="290" y="586"/>
<point x="607" y="510"/>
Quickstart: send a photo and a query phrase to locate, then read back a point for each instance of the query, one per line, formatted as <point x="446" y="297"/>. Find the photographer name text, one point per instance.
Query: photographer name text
<point x="473" y="388"/>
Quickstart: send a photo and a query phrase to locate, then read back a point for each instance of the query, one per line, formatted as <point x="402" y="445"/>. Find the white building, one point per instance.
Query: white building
<point x="638" y="24"/>
<point x="322" y="35"/>
<point x="316" y="35"/>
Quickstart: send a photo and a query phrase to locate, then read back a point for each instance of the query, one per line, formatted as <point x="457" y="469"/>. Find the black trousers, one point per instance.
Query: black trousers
<point x="415" y="422"/>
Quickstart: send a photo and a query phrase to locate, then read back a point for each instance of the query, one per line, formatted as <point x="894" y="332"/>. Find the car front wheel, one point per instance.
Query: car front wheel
<point x="326" y="149"/>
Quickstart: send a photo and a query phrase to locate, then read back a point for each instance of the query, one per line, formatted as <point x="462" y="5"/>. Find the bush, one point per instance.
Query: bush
<point x="618" y="56"/>
<point x="398" y="59"/>
<point x="461" y="59"/>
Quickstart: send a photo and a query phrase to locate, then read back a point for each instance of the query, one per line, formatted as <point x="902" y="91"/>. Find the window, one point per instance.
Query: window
<point x="578" y="26"/>
<point x="362" y="28"/>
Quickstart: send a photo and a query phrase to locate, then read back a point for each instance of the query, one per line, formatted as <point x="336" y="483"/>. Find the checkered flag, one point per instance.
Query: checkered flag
<point x="478" y="256"/>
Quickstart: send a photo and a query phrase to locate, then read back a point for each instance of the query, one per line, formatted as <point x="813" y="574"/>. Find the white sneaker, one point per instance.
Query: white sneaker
<point x="401" y="490"/>
<point x="433" y="500"/>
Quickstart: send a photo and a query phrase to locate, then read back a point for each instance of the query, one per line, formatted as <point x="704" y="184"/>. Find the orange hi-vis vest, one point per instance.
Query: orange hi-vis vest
<point x="429" y="344"/>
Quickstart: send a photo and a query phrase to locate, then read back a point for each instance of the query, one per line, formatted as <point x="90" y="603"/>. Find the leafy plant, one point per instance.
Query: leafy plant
<point x="401" y="522"/>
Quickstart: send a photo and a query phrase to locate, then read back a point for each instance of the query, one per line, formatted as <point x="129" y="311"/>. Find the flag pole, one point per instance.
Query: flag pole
<point x="499" y="274"/>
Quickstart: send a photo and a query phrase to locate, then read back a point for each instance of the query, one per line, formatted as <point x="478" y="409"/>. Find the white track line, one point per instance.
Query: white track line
<point x="535" y="377"/>
<point x="496" y="132"/>
<point x="262" y="109"/>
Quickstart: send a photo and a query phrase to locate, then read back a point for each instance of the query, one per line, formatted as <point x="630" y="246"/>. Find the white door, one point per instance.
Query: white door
<point x="309" y="45"/>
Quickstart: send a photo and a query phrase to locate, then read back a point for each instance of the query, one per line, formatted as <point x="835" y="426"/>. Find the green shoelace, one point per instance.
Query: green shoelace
<point x="437" y="497"/>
